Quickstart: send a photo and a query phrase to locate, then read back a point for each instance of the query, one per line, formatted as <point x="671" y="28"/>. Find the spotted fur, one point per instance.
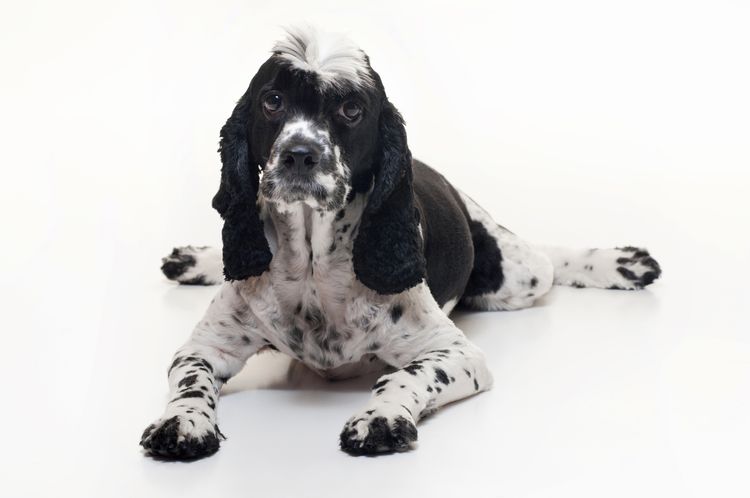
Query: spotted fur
<point x="622" y="268"/>
<point x="193" y="265"/>
<point x="352" y="266"/>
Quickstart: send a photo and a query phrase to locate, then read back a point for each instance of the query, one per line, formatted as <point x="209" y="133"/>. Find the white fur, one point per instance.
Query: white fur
<point x="310" y="306"/>
<point x="449" y="305"/>
<point x="598" y="267"/>
<point x="334" y="58"/>
<point x="527" y="271"/>
<point x="296" y="128"/>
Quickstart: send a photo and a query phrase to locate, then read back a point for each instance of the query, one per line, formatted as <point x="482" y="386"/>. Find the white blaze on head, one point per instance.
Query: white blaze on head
<point x="334" y="58"/>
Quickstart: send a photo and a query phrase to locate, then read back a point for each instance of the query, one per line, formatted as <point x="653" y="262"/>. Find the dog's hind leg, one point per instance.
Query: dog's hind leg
<point x="194" y="265"/>
<point x="511" y="274"/>
<point x="626" y="268"/>
<point x="508" y="273"/>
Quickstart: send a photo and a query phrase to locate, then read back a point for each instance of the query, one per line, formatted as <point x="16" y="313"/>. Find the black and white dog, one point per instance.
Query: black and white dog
<point x="342" y="252"/>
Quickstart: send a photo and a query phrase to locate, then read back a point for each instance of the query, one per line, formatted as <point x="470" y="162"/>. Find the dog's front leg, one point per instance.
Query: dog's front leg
<point x="218" y="348"/>
<point x="448" y="368"/>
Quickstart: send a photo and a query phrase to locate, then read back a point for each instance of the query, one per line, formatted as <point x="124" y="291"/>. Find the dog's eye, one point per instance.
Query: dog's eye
<point x="273" y="103"/>
<point x="350" y="110"/>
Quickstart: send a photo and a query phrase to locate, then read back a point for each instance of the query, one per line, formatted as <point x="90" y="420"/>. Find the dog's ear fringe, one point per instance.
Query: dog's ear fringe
<point x="245" y="248"/>
<point x="387" y="255"/>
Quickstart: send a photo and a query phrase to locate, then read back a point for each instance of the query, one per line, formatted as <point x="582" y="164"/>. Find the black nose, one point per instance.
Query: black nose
<point x="301" y="156"/>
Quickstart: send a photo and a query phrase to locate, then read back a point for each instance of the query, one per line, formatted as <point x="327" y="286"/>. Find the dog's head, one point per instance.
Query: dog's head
<point x="316" y="121"/>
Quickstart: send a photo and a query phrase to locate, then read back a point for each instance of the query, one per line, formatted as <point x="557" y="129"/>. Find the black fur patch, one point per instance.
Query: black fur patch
<point x="413" y="368"/>
<point x="487" y="273"/>
<point x="187" y="381"/>
<point x="396" y="312"/>
<point x="190" y="394"/>
<point x="245" y="247"/>
<point x="446" y="236"/>
<point x="295" y="335"/>
<point x="380" y="384"/>
<point x="388" y="253"/>
<point x="176" y="264"/>
<point x="629" y="274"/>
<point x="314" y="317"/>
<point x="441" y="376"/>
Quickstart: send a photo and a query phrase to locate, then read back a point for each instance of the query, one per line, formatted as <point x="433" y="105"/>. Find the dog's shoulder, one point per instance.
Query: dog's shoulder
<point x="445" y="231"/>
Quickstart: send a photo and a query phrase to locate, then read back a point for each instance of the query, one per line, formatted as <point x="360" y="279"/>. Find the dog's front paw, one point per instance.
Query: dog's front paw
<point x="379" y="430"/>
<point x="182" y="437"/>
<point x="637" y="268"/>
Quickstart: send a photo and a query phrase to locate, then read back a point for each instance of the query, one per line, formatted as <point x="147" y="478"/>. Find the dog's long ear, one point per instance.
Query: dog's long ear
<point x="388" y="256"/>
<point x="245" y="250"/>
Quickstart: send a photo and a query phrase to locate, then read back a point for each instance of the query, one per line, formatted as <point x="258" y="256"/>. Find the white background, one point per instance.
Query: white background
<point x="584" y="123"/>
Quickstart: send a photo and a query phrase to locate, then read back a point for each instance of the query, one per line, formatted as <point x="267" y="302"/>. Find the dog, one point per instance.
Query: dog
<point x="346" y="254"/>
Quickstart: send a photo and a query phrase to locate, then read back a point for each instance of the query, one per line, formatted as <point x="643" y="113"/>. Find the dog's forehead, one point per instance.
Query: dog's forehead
<point x="334" y="59"/>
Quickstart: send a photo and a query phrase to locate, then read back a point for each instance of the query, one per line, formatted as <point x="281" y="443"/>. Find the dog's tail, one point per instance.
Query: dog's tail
<point x="193" y="265"/>
<point x="627" y="268"/>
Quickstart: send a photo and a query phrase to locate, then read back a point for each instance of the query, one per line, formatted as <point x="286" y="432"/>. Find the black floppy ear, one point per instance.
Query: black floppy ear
<point x="245" y="250"/>
<point x="388" y="256"/>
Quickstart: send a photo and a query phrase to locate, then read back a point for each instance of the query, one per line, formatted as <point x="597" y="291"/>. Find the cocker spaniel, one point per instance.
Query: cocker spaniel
<point x="346" y="254"/>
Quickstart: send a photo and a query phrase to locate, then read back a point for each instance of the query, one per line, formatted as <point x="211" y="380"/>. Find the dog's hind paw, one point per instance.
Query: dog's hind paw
<point x="192" y="265"/>
<point x="637" y="268"/>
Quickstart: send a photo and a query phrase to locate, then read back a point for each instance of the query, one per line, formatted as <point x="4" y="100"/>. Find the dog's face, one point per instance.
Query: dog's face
<point x="313" y="137"/>
<point x="316" y="121"/>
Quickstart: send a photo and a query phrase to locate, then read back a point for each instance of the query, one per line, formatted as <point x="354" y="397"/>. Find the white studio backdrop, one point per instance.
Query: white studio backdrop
<point x="582" y="123"/>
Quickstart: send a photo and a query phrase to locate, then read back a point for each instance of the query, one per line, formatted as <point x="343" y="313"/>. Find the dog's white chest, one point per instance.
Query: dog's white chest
<point x="320" y="313"/>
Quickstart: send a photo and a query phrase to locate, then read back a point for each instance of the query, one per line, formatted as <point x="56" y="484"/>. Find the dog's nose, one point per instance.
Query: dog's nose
<point x="301" y="156"/>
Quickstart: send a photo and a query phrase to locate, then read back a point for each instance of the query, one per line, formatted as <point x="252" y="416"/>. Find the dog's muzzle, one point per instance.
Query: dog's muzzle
<point x="305" y="166"/>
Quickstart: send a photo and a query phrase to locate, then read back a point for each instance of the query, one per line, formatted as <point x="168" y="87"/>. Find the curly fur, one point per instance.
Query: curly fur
<point x="388" y="256"/>
<point x="246" y="251"/>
